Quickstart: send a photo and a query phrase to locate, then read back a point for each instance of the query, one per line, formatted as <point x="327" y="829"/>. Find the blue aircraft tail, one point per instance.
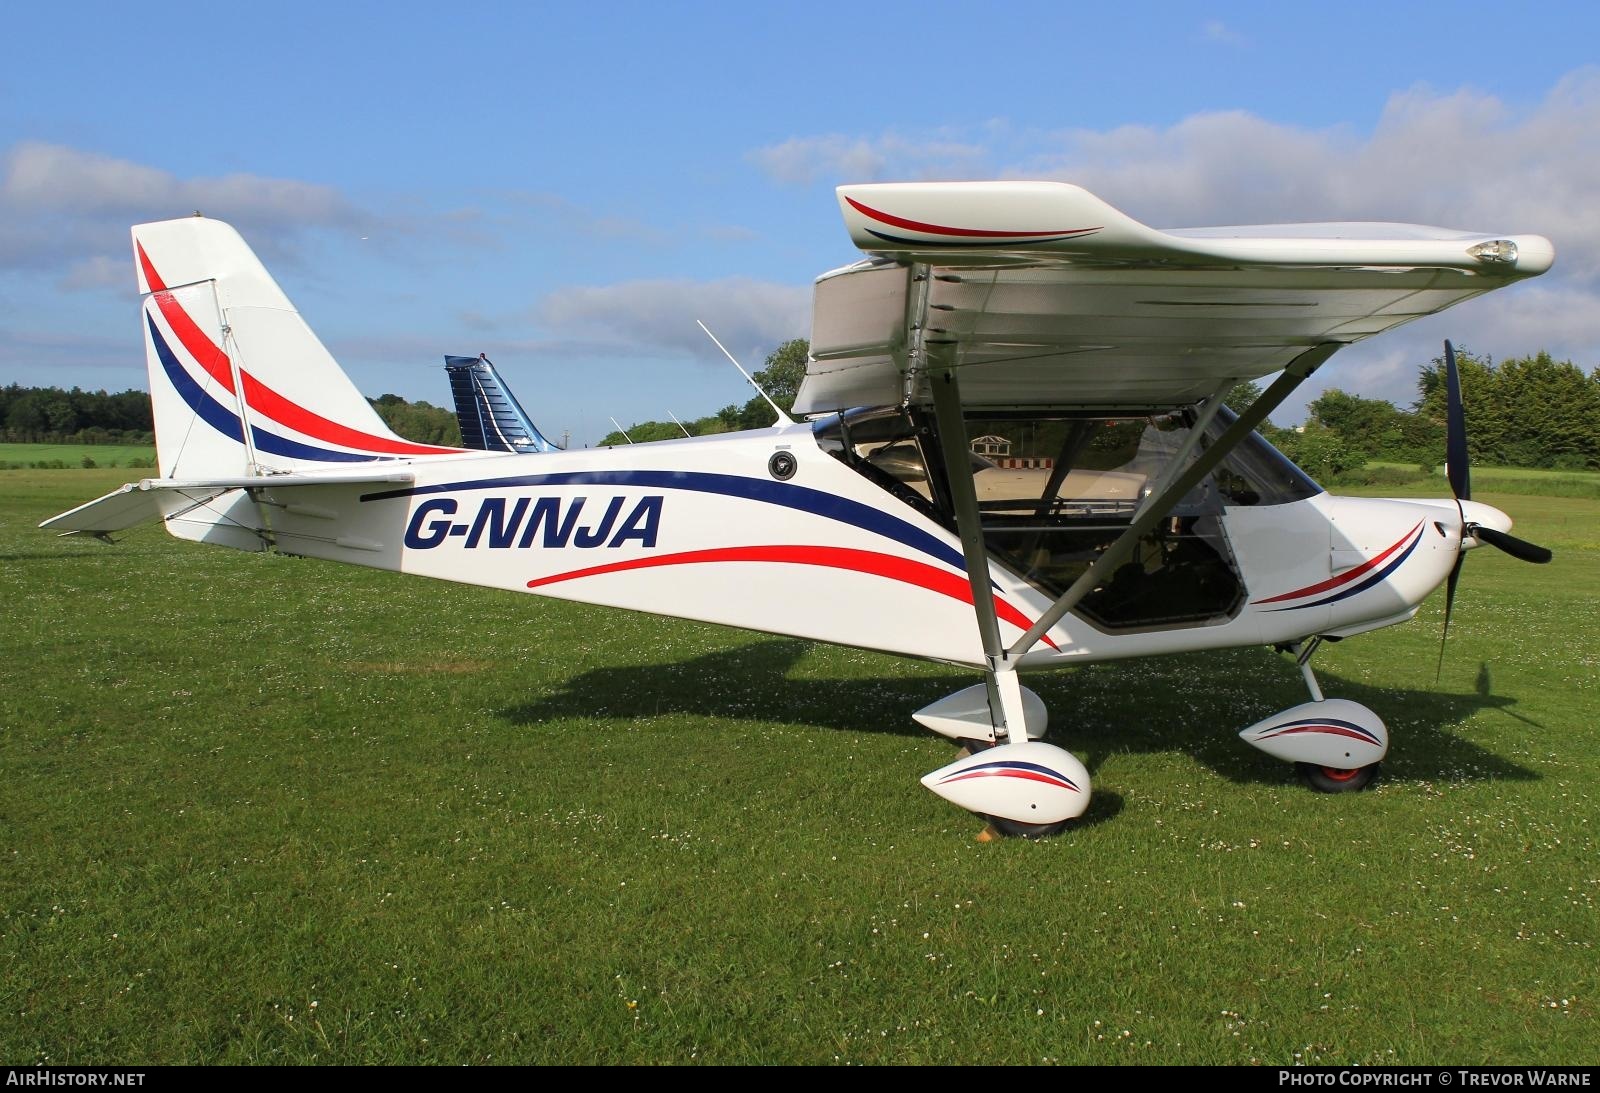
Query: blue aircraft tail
<point x="491" y="418"/>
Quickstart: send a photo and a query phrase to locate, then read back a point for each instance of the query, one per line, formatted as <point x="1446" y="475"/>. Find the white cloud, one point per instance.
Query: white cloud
<point x="1462" y="160"/>
<point x="802" y="161"/>
<point x="61" y="206"/>
<point x="34" y="356"/>
<point x="99" y="271"/>
<point x="53" y="178"/>
<point x="750" y="317"/>
<point x="1215" y="30"/>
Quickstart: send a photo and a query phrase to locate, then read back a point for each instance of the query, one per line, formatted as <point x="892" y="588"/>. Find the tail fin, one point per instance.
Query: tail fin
<point x="491" y="417"/>
<point x="239" y="383"/>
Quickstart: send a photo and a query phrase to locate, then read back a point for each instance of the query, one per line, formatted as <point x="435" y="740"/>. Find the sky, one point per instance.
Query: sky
<point x="568" y="187"/>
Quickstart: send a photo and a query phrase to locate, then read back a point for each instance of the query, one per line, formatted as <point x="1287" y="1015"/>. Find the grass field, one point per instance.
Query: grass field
<point x="1520" y="480"/>
<point x="259" y="809"/>
<point x="22" y="456"/>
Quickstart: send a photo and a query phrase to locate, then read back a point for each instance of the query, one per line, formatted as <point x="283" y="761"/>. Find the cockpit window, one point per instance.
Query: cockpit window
<point x="1062" y="488"/>
<point x="886" y="446"/>
<point x="1256" y="473"/>
<point x="1055" y="490"/>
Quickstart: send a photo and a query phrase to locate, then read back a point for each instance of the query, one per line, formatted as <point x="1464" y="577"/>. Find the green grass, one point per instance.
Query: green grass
<point x="14" y="457"/>
<point x="259" y="809"/>
<point x="1526" y="481"/>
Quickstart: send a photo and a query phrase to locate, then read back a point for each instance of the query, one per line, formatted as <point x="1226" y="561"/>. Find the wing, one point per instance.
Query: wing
<point x="1052" y="297"/>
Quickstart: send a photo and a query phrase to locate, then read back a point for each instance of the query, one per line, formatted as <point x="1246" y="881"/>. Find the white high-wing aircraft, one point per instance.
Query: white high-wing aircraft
<point x="1017" y="458"/>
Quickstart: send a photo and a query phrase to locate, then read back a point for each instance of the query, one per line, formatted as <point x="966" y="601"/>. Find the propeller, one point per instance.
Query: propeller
<point x="1517" y="548"/>
<point x="1459" y="474"/>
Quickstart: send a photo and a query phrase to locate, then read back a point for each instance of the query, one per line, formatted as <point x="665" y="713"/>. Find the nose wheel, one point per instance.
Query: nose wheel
<point x="1337" y="779"/>
<point x="1017" y="830"/>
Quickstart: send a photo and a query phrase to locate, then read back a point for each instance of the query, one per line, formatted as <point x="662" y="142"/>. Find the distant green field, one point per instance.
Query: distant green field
<point x="23" y="456"/>
<point x="1524" y="480"/>
<point x="265" y="809"/>
<point x="1508" y="472"/>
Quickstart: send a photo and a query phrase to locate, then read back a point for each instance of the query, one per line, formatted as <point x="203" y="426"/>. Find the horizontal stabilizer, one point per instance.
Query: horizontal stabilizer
<point x="123" y="508"/>
<point x="166" y="498"/>
<point x="277" y="481"/>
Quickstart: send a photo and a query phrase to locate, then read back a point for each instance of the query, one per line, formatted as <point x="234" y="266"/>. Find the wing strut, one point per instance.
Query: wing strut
<point x="1158" y="507"/>
<point x="1005" y="692"/>
<point x="1196" y="432"/>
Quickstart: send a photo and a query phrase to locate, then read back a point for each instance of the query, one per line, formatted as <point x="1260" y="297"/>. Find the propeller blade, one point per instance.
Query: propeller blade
<point x="1456" y="470"/>
<point x="1449" y="606"/>
<point x="1455" y="430"/>
<point x="1517" y="548"/>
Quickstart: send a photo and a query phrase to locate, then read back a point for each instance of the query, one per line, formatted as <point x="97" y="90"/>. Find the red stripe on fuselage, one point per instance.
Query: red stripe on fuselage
<point x="1343" y="578"/>
<point x="860" y="561"/>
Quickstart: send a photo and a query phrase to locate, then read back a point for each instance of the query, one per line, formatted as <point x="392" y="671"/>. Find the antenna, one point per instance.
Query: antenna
<point x="621" y="430"/>
<point x="679" y="424"/>
<point x="783" y="418"/>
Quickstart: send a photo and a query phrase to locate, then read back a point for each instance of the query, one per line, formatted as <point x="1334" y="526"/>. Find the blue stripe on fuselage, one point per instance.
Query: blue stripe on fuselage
<point x="802" y="498"/>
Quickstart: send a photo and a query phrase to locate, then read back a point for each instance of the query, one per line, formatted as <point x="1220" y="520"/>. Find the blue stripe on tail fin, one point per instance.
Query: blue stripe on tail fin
<point x="491" y="418"/>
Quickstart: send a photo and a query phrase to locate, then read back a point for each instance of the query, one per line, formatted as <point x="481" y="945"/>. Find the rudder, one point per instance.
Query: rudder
<point x="240" y="385"/>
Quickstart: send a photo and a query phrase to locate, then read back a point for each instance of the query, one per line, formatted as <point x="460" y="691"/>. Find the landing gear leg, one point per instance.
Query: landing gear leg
<point x="1303" y="652"/>
<point x="1022" y="786"/>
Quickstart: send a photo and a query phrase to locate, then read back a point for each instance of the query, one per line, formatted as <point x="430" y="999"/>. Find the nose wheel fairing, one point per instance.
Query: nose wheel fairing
<point x="1335" y="733"/>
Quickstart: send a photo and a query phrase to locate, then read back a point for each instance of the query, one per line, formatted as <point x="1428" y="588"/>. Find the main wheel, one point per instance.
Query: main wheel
<point x="1016" y="829"/>
<point x="1337" y="779"/>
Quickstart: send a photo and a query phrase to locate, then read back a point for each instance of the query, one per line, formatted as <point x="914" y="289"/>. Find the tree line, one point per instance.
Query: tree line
<point x="1529" y="411"/>
<point x="780" y="377"/>
<point x="422" y="422"/>
<point x="51" y="415"/>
